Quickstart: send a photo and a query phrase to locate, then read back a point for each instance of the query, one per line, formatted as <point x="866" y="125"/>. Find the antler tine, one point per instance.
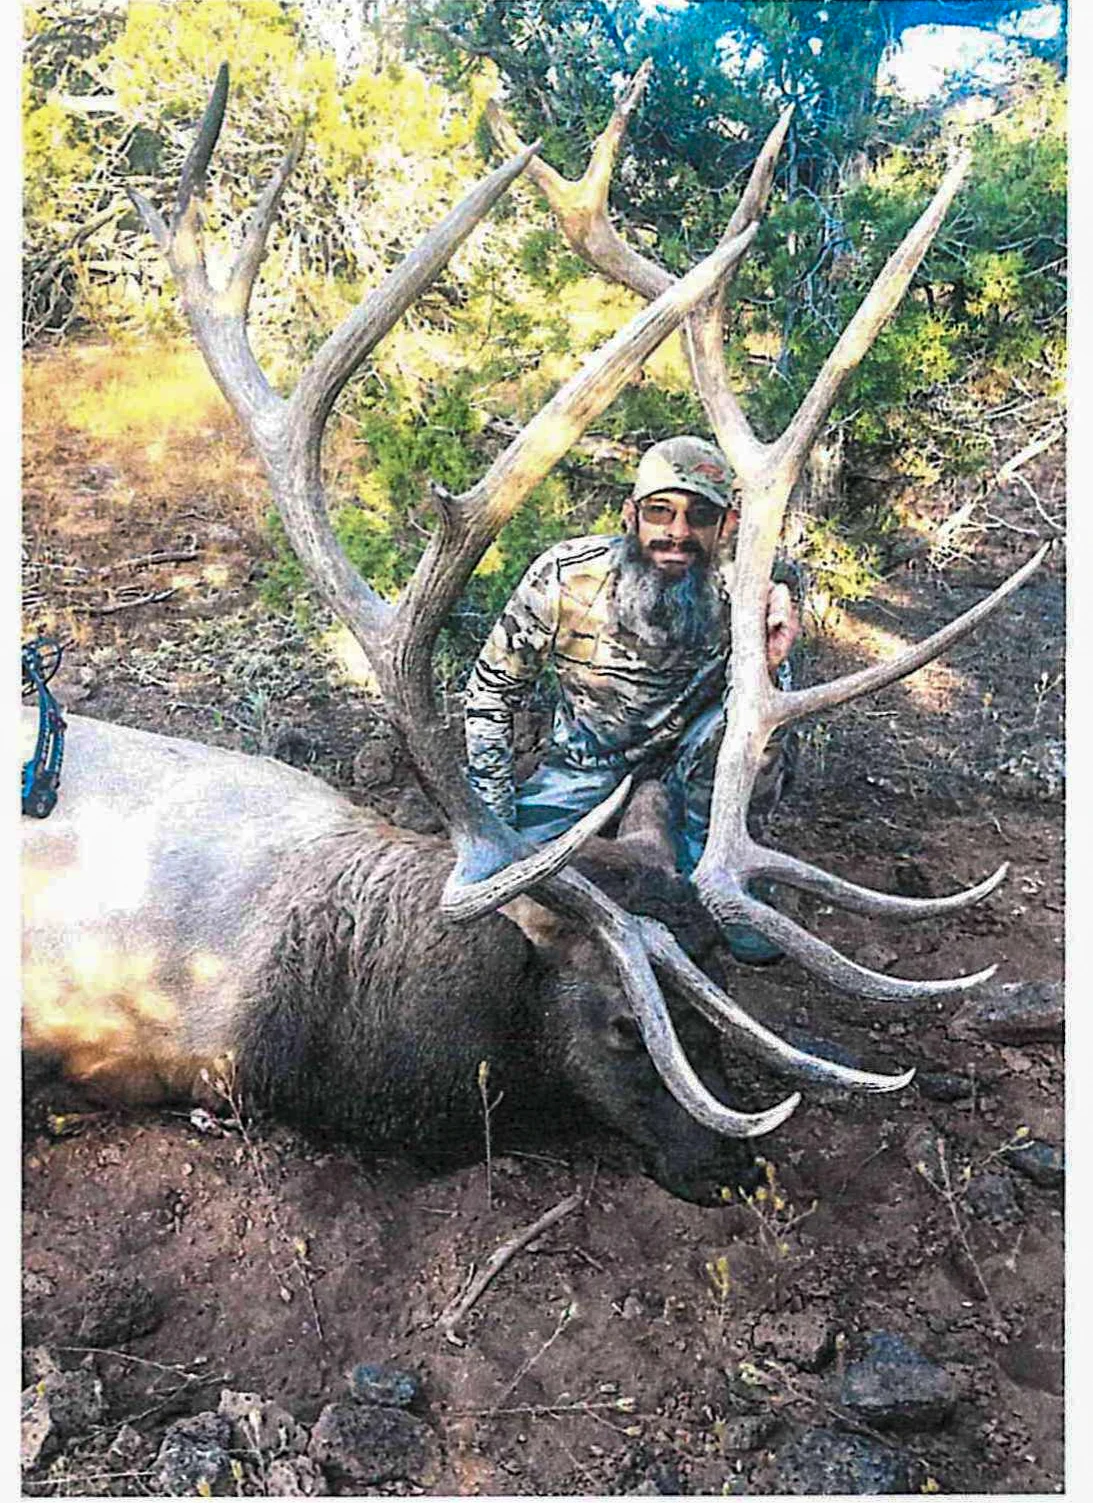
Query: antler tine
<point x="581" y="212"/>
<point x="756" y="1040"/>
<point x="581" y="207"/>
<point x="703" y="336"/>
<point x="797" y="702"/>
<point x="777" y="867"/>
<point x="729" y="904"/>
<point x="464" y="899"/>
<point x="625" y="939"/>
<point x="241" y="284"/>
<point x="356" y="337"/>
<point x="197" y="161"/>
<point x="471" y="521"/>
<point x="792" y="448"/>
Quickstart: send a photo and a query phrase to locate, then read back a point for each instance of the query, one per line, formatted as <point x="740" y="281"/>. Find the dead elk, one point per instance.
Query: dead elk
<point x="184" y="904"/>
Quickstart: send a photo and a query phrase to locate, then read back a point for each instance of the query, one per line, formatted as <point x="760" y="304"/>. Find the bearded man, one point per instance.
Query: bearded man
<point x="637" y="629"/>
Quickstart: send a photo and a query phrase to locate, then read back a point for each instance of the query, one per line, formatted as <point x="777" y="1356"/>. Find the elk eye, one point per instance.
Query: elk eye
<point x="624" y="1033"/>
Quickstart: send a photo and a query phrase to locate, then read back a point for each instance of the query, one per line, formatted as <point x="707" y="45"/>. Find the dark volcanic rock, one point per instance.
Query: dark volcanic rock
<point x="115" y="1308"/>
<point x="1035" y="1359"/>
<point x="371" y="1384"/>
<point x="660" y="1481"/>
<point x="992" y="1197"/>
<point x="296" y="1477"/>
<point x="1040" y="1162"/>
<point x="362" y="1443"/>
<point x="193" y="1456"/>
<point x="894" y="1386"/>
<point x="925" y="1146"/>
<point x="747" y="1432"/>
<point x="59" y="1405"/>
<point x="937" y="1087"/>
<point x="1014" y="1012"/>
<point x="258" y="1423"/>
<point x="823" y="1461"/>
<point x="805" y="1339"/>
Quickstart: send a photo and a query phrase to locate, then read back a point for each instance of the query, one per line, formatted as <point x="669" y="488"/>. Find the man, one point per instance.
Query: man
<point x="636" y="628"/>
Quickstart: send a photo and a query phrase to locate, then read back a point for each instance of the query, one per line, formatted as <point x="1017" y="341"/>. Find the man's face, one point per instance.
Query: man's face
<point x="677" y="530"/>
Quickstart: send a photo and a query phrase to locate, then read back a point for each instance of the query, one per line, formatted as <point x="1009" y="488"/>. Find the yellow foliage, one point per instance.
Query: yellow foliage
<point x="144" y="395"/>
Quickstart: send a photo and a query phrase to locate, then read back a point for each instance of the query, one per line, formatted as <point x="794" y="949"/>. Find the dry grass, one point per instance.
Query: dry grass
<point x="110" y="431"/>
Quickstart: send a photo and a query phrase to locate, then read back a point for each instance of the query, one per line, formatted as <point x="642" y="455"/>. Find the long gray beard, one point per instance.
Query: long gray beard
<point x="662" y="611"/>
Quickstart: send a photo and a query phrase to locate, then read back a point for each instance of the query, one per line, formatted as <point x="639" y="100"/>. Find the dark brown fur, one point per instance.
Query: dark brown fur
<point x="369" y="1015"/>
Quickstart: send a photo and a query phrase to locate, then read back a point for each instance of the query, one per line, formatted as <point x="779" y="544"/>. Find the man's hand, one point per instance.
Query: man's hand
<point x="783" y="624"/>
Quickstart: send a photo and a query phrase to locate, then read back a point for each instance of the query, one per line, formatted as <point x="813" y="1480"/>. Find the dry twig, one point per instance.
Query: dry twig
<point x="455" y="1312"/>
<point x="125" y="605"/>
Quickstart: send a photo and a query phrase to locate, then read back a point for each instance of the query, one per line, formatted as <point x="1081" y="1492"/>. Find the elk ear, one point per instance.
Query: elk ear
<point x="542" y="929"/>
<point x="645" y="828"/>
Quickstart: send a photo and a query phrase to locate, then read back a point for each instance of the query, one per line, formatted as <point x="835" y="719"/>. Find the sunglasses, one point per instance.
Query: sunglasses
<point x="700" y="513"/>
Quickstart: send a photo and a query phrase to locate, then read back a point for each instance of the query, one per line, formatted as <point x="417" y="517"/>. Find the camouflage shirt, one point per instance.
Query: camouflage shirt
<point x="621" y="699"/>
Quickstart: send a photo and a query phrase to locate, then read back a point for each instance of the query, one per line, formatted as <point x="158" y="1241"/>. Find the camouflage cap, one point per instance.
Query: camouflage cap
<point x="688" y="464"/>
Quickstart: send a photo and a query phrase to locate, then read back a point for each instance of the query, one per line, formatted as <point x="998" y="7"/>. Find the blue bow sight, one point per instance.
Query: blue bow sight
<point x="42" y="774"/>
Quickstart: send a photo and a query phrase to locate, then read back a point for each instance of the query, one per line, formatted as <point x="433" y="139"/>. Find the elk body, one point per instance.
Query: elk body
<point x="300" y="938"/>
<point x="184" y="904"/>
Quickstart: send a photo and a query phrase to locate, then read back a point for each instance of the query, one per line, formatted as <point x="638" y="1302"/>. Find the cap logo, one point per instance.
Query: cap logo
<point x="714" y="471"/>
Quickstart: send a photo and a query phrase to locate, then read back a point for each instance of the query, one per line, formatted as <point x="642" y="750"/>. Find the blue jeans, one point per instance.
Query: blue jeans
<point x="556" y="794"/>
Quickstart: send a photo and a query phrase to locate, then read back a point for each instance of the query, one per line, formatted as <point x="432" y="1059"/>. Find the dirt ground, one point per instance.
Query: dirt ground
<point x="615" y="1354"/>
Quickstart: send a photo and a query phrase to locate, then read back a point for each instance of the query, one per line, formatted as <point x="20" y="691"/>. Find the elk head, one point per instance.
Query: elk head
<point x="493" y="865"/>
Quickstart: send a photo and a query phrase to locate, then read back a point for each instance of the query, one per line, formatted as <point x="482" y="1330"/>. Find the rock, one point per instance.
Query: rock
<point x="632" y="1307"/>
<point x="296" y="1477"/>
<point x="375" y="765"/>
<point x="413" y="811"/>
<point x="746" y="1432"/>
<point x="37" y="1285"/>
<point x="59" y="1405"/>
<point x="893" y="1386"/>
<point x="1014" y="1012"/>
<point x="937" y="1087"/>
<point x="660" y="1481"/>
<point x="194" y="1456"/>
<point x="1035" y="1360"/>
<point x="115" y="1308"/>
<point x="69" y="693"/>
<point x="826" y="1094"/>
<point x="1040" y="1162"/>
<point x="130" y="1450"/>
<point x="370" y="1384"/>
<point x="805" y="1339"/>
<point x="220" y="532"/>
<point x="815" y="1043"/>
<point x="38" y="1433"/>
<point x="258" y="1423"/>
<point x="823" y="1461"/>
<point x="364" y="1443"/>
<point x="924" y="1147"/>
<point x="992" y="1197"/>
<point x="39" y="1362"/>
<point x="295" y="746"/>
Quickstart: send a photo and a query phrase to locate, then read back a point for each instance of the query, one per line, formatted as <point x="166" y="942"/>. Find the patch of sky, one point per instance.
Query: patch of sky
<point x="927" y="54"/>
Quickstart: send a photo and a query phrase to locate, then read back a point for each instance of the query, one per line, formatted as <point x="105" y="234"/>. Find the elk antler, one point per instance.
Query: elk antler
<point x="492" y="862"/>
<point x="767" y="473"/>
